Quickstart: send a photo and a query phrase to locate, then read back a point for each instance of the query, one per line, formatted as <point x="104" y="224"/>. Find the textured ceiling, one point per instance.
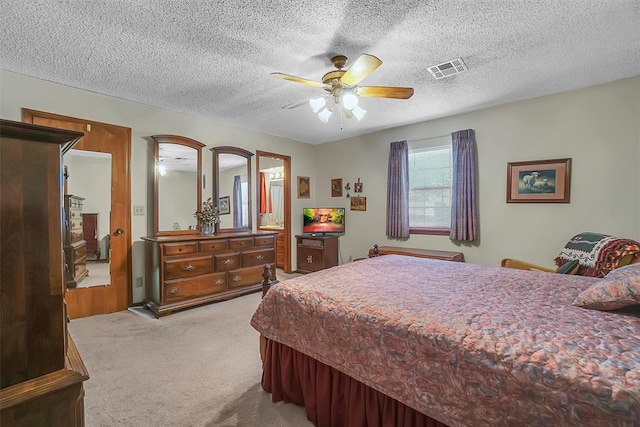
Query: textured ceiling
<point x="214" y="58"/>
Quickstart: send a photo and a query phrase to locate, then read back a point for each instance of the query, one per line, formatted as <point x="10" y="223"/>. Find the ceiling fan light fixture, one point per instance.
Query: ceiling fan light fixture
<point x="359" y="112"/>
<point x="324" y="115"/>
<point x="317" y="104"/>
<point x="349" y="100"/>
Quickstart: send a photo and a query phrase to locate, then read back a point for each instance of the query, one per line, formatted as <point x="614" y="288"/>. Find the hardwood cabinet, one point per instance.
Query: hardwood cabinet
<point x="75" y="250"/>
<point x="184" y="271"/>
<point x="41" y="372"/>
<point x="316" y="252"/>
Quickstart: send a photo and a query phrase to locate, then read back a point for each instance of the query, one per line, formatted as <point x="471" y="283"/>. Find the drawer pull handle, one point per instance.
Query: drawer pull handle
<point x="218" y="282"/>
<point x="174" y="291"/>
<point x="259" y="257"/>
<point x="310" y="259"/>
<point x="228" y="261"/>
<point x="236" y="278"/>
<point x="189" y="267"/>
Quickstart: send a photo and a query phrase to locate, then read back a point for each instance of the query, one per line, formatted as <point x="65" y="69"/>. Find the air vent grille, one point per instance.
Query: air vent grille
<point x="449" y="68"/>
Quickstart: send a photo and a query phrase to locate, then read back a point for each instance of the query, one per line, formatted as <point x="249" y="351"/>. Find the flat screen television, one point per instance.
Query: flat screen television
<point x="323" y="220"/>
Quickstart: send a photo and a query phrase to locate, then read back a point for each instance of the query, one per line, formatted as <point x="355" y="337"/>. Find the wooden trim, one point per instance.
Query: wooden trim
<point x="74" y="372"/>
<point x="287" y="202"/>
<point x="432" y="231"/>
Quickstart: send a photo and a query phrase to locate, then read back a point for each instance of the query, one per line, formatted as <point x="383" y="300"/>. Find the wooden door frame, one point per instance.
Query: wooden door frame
<point x="100" y="292"/>
<point x="287" y="202"/>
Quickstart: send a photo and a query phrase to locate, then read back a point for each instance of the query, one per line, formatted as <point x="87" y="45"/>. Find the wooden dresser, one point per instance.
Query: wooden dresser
<point x="184" y="271"/>
<point x="316" y="253"/>
<point x="75" y="247"/>
<point x="41" y="372"/>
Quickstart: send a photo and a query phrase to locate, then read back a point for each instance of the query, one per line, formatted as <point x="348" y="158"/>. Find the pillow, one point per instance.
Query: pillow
<point x="570" y="267"/>
<point x="619" y="289"/>
<point x="597" y="253"/>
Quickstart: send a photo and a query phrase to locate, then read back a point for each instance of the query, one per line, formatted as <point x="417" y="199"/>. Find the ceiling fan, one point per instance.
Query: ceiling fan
<point x="343" y="87"/>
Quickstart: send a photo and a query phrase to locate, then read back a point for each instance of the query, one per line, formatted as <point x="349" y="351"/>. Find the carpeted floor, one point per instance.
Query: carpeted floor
<point x="198" y="367"/>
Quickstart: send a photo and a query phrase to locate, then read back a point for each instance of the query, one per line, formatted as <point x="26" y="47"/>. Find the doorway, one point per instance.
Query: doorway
<point x="274" y="202"/>
<point x="97" y="179"/>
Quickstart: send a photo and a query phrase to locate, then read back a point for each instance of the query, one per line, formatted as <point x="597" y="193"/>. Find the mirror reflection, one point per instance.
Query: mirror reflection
<point x="232" y="187"/>
<point x="177" y="184"/>
<point x="177" y="187"/>
<point x="233" y="191"/>
<point x="271" y="192"/>
<point x="87" y="213"/>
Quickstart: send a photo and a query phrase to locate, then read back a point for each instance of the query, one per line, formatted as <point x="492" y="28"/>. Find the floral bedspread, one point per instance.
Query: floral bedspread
<point x="463" y="343"/>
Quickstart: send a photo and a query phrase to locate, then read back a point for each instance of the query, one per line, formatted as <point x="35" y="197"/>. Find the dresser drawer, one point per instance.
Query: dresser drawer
<point x="75" y="224"/>
<point x="79" y="250"/>
<point x="213" y="245"/>
<point x="183" y="289"/>
<point x="241" y="243"/>
<point x="264" y="241"/>
<point x="257" y="257"/>
<point x="187" y="267"/>
<point x="182" y="248"/>
<point x="247" y="276"/>
<point x="228" y="261"/>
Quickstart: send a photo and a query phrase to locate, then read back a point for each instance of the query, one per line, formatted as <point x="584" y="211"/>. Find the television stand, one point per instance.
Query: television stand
<point x="316" y="252"/>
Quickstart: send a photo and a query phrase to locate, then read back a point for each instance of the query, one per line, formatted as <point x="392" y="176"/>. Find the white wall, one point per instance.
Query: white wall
<point x="598" y="127"/>
<point x="20" y="91"/>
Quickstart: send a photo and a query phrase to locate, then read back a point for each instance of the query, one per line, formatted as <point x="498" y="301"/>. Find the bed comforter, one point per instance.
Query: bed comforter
<point x="462" y="343"/>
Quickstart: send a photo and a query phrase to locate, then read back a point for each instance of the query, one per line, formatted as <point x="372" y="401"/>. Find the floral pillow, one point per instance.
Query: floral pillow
<point x="618" y="289"/>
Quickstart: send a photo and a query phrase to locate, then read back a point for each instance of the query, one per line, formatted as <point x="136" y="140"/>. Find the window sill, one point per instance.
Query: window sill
<point x="430" y="231"/>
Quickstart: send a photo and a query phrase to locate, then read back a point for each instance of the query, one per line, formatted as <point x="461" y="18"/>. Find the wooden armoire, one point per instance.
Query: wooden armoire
<point x="41" y="372"/>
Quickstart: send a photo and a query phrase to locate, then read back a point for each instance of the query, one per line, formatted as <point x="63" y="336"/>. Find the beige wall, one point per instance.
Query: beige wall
<point x="19" y="91"/>
<point x="598" y="127"/>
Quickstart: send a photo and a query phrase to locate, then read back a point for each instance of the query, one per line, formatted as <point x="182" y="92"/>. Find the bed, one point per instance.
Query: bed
<point x="398" y="340"/>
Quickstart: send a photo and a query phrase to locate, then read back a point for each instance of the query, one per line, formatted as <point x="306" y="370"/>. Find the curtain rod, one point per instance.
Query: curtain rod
<point x="426" y="139"/>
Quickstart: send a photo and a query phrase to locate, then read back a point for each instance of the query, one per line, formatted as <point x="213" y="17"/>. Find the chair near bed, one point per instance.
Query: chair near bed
<point x="587" y="254"/>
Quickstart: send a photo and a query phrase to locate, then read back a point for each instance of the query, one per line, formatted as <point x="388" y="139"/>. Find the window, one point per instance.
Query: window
<point x="430" y="189"/>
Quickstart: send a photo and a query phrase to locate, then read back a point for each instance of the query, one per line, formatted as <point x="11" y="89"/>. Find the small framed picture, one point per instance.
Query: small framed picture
<point x="304" y="187"/>
<point x="357" y="186"/>
<point x="223" y="205"/>
<point x="358" y="203"/>
<point x="336" y="187"/>
<point x="539" y="181"/>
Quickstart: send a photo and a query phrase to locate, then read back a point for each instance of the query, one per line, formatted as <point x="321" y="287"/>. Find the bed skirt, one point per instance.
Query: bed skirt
<point x="331" y="398"/>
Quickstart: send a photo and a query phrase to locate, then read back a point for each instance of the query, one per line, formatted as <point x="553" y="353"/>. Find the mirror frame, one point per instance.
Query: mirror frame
<point x="216" y="179"/>
<point x="187" y="142"/>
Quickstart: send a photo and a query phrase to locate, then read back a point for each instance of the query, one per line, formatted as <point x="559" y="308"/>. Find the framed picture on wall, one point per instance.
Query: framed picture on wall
<point x="539" y="181"/>
<point x="304" y="187"/>
<point x="358" y="203"/>
<point x="336" y="187"/>
<point x="223" y="205"/>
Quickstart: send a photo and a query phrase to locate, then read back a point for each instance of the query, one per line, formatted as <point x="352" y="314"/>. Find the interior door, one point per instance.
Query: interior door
<point x="114" y="142"/>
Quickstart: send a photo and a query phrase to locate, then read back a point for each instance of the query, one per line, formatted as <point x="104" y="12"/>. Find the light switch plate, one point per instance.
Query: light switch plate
<point x="138" y="210"/>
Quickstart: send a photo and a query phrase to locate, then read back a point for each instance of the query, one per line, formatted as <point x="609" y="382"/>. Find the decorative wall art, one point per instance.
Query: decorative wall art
<point x="304" y="187"/>
<point x="539" y="181"/>
<point x="336" y="187"/>
<point x="358" y="203"/>
<point x="223" y="205"/>
<point x="357" y="186"/>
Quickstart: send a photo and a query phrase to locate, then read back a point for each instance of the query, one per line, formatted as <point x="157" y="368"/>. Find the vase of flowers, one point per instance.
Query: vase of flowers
<point x="209" y="216"/>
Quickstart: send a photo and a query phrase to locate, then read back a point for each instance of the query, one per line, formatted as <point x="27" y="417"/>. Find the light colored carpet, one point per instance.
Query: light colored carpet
<point x="198" y="367"/>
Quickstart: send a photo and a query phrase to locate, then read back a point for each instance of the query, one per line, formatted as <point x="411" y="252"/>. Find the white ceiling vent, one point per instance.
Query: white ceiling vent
<point x="447" y="69"/>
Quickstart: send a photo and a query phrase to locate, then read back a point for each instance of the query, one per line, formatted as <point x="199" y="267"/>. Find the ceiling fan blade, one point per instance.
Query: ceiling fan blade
<point x="385" y="92"/>
<point x="299" y="80"/>
<point x="364" y="65"/>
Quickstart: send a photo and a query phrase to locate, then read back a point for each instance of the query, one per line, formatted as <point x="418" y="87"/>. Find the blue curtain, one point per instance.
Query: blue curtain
<point x="464" y="206"/>
<point x="237" y="202"/>
<point x="398" y="191"/>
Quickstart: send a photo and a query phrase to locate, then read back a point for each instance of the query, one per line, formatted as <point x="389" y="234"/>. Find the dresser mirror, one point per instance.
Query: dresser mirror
<point x="232" y="188"/>
<point x="87" y="204"/>
<point x="177" y="184"/>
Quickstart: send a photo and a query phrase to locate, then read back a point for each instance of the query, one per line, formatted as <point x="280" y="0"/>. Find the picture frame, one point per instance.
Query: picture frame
<point x="539" y="181"/>
<point x="357" y="186"/>
<point x="336" y="187"/>
<point x="223" y="205"/>
<point x="358" y="203"/>
<point x="304" y="187"/>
